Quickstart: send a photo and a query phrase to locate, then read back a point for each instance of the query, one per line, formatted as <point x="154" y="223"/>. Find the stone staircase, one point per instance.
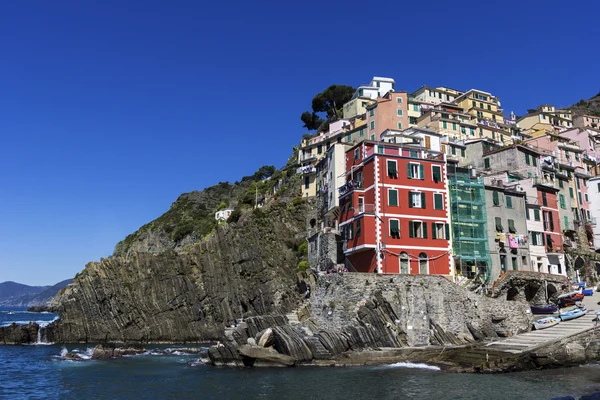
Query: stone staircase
<point x="317" y="349"/>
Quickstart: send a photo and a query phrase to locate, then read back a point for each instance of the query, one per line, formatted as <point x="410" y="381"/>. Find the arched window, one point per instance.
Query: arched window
<point x="404" y="263"/>
<point x="423" y="264"/>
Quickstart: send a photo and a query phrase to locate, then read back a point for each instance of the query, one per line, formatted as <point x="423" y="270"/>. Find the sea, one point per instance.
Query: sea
<point x="166" y="372"/>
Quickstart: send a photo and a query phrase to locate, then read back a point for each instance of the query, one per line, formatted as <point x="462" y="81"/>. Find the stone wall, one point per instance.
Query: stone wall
<point x="529" y="286"/>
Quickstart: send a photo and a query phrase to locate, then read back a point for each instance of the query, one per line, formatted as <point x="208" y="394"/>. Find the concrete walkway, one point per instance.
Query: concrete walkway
<point x="530" y="340"/>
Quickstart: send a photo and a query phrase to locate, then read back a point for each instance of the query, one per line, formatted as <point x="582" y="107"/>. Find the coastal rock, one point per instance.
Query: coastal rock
<point x="225" y="355"/>
<point x="267" y="356"/>
<point x="39" y="309"/>
<point x="19" y="334"/>
<point x="267" y="339"/>
<point x="106" y="352"/>
<point x="289" y="342"/>
<point x="241" y="270"/>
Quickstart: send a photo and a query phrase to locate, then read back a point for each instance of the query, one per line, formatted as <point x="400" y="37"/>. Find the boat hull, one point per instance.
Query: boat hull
<point x="546" y="309"/>
<point x="545" y="323"/>
<point x="573" y="314"/>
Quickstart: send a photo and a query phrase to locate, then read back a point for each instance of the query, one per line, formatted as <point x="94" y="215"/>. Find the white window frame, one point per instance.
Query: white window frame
<point x="437" y="231"/>
<point x="415" y="229"/>
<point x="417" y="195"/>
<point x="387" y="172"/>
<point x="361" y="204"/>
<point x="356" y="154"/>
<point x="419" y="263"/>
<point x="398" y="99"/>
<point x="397" y="198"/>
<point x="440" y="167"/>
<point x="400" y="258"/>
<point x="390" y="226"/>
<point x="418" y="169"/>
<point x="399" y="112"/>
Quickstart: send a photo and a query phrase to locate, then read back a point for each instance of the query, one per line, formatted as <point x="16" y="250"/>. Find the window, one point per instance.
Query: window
<point x="356" y="154"/>
<point x="415" y="107"/>
<point x="463" y="130"/>
<point x="544" y="199"/>
<point x="306" y="182"/>
<point x="361" y="133"/>
<point x="536" y="214"/>
<point x="499" y="227"/>
<point x="589" y="215"/>
<point x="360" y="92"/>
<point x="578" y="183"/>
<point x="392" y="169"/>
<point x="404" y="263"/>
<point x="392" y="197"/>
<point x="511" y="226"/>
<point x="416" y="200"/>
<point x="412" y="120"/>
<point x="514" y="263"/>
<point x="373" y="137"/>
<point x="440" y="230"/>
<point x="380" y="150"/>
<point x="394" y="228"/>
<point x="537" y="238"/>
<point x="548" y="221"/>
<point x="524" y="261"/>
<point x="432" y="93"/>
<point x="399" y="99"/>
<point x="436" y="173"/>
<point x="454" y="126"/>
<point x="399" y="112"/>
<point x="350" y="230"/>
<point x="508" y="201"/>
<point x="496" y="198"/>
<point x="399" y="125"/>
<point x="319" y="149"/>
<point x="361" y="204"/>
<point x="444" y="124"/>
<point x="561" y="184"/>
<point x="562" y="202"/>
<point x="348" y="138"/>
<point x="438" y="201"/>
<point x="489" y="107"/>
<point x="527" y="212"/>
<point x="566" y="222"/>
<point x="417" y="229"/>
<point x="598" y="187"/>
<point x="579" y="196"/>
<point x="371" y="112"/>
<point x="480" y="105"/>
<point x="415" y="171"/>
<point x="474" y="104"/>
<point x="486" y="163"/>
<point x="372" y="125"/>
<point x="462" y="153"/>
<point x="472" y="131"/>
<point x="587" y="199"/>
<point x="423" y="264"/>
<point x="571" y="193"/>
<point x="534" y="161"/>
<point x="527" y="159"/>
<point x="357" y="232"/>
<point x="453" y="150"/>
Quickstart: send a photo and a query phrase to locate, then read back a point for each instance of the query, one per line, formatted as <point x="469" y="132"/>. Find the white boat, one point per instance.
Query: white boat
<point x="544" y="323"/>
<point x="10" y="313"/>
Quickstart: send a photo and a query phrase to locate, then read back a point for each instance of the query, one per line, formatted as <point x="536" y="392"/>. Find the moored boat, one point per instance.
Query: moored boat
<point x="588" y="292"/>
<point x="544" y="323"/>
<point x="573" y="314"/>
<point x="569" y="299"/>
<point x="544" y="309"/>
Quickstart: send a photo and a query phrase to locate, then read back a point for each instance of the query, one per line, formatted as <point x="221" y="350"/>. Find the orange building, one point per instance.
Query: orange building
<point x="394" y="209"/>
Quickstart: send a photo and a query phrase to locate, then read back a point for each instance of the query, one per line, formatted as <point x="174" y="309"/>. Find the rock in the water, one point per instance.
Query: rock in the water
<point x="289" y="342"/>
<point x="225" y="355"/>
<point x="252" y="353"/>
<point x="104" y="353"/>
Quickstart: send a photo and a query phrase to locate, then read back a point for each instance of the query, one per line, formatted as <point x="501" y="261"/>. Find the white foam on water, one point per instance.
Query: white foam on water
<point x="63" y="352"/>
<point x="413" y="365"/>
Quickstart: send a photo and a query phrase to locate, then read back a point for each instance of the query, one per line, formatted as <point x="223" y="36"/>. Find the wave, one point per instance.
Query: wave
<point x="413" y="365"/>
<point x="41" y="323"/>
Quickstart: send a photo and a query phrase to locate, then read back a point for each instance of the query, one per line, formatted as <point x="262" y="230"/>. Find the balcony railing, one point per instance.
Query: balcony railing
<point x="591" y="221"/>
<point x="309" y="169"/>
<point x="306" y="157"/>
<point x="544" y="181"/>
<point x="350" y="185"/>
<point x="362" y="209"/>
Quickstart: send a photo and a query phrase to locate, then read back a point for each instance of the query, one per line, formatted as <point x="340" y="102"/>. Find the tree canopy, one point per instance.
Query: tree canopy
<point x="330" y="102"/>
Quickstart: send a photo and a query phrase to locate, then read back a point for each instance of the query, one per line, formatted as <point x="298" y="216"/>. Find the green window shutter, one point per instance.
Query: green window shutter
<point x="392" y="197"/>
<point x="486" y="162"/>
<point x="411" y="229"/>
<point x="423" y="200"/>
<point x="571" y="192"/>
<point x="453" y="150"/>
<point x="437" y="173"/>
<point x="447" y="231"/>
<point x="416" y="107"/>
<point x="496" y="198"/>
<point x="566" y="220"/>
<point x="511" y="226"/>
<point x="391" y="167"/>
<point x="533" y="238"/>
<point x="422" y="171"/>
<point x="399" y="112"/>
<point x="579" y="195"/>
<point x="598" y="187"/>
<point x="508" y="202"/>
<point x="372" y="124"/>
<point x="438" y="201"/>
<point x="562" y="201"/>
<point x="526" y="212"/>
<point x="409" y="171"/>
<point x="362" y="132"/>
<point x="560" y="184"/>
<point x="444" y="124"/>
<point x="424" y="226"/>
<point x="587" y="199"/>
<point x="454" y="126"/>
<point x="433" y="231"/>
<point x="499" y="226"/>
<point x="462" y="152"/>
<point x="536" y="214"/>
<point x="527" y="158"/>
<point x="472" y="131"/>
<point x="394" y="229"/>
<point x="357" y="227"/>
<point x="534" y="161"/>
<point x="411" y="204"/>
<point x="371" y="112"/>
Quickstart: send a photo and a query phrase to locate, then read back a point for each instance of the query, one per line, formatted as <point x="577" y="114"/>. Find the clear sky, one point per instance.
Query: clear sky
<point x="111" y="109"/>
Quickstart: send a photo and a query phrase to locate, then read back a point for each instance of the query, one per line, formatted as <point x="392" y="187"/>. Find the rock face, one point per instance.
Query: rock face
<point x="19" y="334"/>
<point x="530" y="286"/>
<point x="350" y="312"/>
<point x="242" y="269"/>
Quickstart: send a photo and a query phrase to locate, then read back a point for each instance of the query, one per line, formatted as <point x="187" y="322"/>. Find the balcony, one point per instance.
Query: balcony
<point x="590" y="221"/>
<point x="308" y="157"/>
<point x="349" y="186"/>
<point x="309" y="169"/>
<point x="544" y="181"/>
<point x="362" y="209"/>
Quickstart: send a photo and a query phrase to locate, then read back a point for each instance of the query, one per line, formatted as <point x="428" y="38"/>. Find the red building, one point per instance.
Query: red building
<point x="552" y="230"/>
<point x="394" y="209"/>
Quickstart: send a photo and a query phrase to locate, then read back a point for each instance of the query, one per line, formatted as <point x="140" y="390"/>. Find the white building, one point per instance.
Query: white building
<point x="223" y="214"/>
<point x="594" y="195"/>
<point x="425" y="137"/>
<point x="378" y="87"/>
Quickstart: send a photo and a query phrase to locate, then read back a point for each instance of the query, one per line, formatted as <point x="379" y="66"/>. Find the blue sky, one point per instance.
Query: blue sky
<point x="109" y="110"/>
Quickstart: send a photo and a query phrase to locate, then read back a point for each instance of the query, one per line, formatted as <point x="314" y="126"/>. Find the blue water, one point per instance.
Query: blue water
<point x="38" y="372"/>
<point x="20" y="316"/>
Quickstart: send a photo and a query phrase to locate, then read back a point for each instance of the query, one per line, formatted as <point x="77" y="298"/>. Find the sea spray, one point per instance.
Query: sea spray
<point x="413" y="365"/>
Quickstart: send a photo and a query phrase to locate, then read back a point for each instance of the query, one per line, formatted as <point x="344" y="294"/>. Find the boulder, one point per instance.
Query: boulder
<point x="269" y="356"/>
<point x="104" y="353"/>
<point x="267" y="338"/>
<point x="225" y="355"/>
<point x="289" y="342"/>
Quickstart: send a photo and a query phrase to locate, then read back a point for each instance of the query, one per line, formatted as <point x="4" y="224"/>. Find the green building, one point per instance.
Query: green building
<point x="469" y="224"/>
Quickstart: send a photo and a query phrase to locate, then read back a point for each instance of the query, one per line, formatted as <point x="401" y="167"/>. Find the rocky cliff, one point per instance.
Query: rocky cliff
<point x="243" y="268"/>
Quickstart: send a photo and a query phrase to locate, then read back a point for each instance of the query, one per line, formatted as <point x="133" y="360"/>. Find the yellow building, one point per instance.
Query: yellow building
<point x="431" y="95"/>
<point x="486" y="112"/>
<point x="545" y="117"/>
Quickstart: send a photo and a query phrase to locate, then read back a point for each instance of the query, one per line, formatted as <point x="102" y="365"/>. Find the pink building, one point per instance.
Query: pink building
<point x="586" y="121"/>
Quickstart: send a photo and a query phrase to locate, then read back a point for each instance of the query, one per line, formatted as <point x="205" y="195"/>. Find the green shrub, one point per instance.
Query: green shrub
<point x="234" y="216"/>
<point x="303" y="249"/>
<point x="302" y="266"/>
